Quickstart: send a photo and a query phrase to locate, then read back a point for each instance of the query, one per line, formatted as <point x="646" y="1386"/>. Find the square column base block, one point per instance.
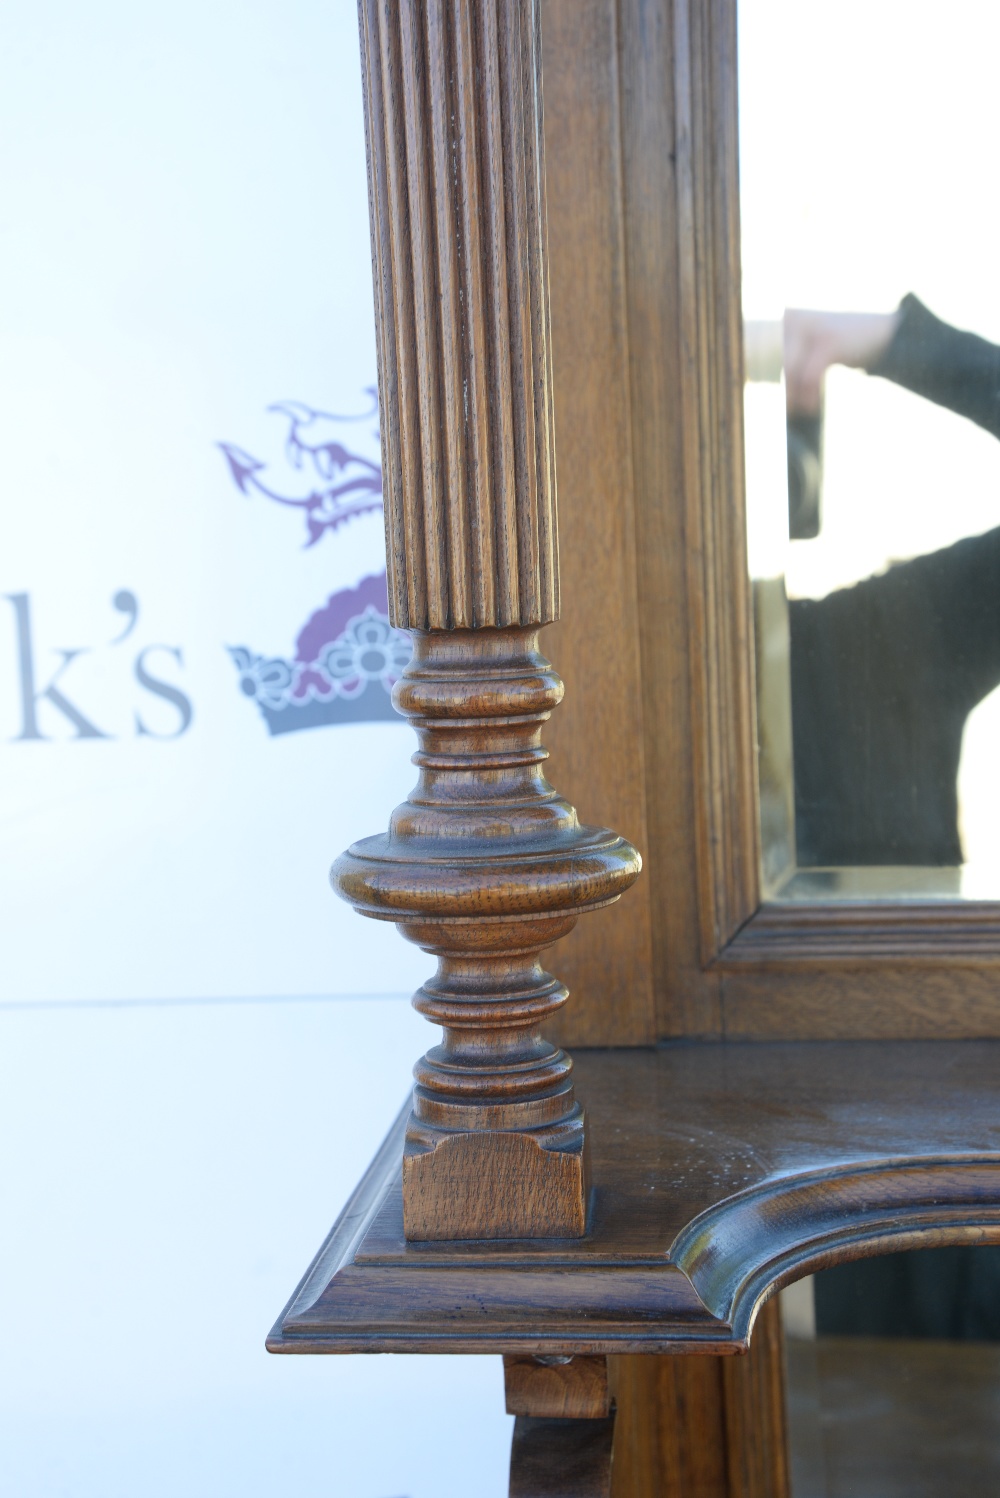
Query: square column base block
<point x="495" y="1185"/>
<point x="720" y="1172"/>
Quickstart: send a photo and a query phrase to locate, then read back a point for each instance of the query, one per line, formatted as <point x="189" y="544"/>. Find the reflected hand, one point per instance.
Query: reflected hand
<point x="815" y="340"/>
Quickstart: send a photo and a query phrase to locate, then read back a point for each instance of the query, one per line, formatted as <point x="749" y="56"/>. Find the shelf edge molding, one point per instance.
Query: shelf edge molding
<point x="711" y="1218"/>
<point x="739" y="1252"/>
<point x="703" y="1298"/>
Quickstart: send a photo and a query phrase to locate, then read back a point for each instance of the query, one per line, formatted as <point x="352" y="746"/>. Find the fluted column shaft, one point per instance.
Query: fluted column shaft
<point x="454" y="130"/>
<point x="484" y="865"/>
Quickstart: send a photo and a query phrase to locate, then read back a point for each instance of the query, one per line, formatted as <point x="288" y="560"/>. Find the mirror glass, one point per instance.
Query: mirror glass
<point x="893" y="1376"/>
<point x="871" y="299"/>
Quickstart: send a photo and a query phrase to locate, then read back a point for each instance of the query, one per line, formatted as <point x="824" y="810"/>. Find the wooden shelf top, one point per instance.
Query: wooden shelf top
<point x="720" y="1171"/>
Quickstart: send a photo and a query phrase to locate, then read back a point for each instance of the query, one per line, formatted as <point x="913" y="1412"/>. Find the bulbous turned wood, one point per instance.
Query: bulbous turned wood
<point x="485" y="866"/>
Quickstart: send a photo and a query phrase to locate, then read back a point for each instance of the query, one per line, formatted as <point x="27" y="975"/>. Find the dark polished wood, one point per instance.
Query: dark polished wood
<point x="641" y="150"/>
<point x="565" y="1425"/>
<point x="484" y="865"/>
<point x="756" y="1421"/>
<point x="453" y="115"/>
<point x="720" y="1172"/>
<point x="919" y="970"/>
<point x="644" y="268"/>
<point x="561" y="1458"/>
<point x="704" y="1427"/>
<point x="596" y="738"/>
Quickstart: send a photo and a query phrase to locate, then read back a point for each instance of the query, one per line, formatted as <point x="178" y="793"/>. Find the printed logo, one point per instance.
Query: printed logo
<point x="341" y="485"/>
<point x="347" y="654"/>
<point x="45" y="704"/>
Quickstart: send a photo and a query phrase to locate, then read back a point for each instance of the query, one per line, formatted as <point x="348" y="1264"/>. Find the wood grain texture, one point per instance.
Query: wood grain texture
<point x="756" y="1420"/>
<point x="641" y="126"/>
<point x="704" y="1427"/>
<point x="682" y="238"/>
<point x="878" y="971"/>
<point x="456" y="187"/>
<point x="920" y="934"/>
<point x="640" y="148"/>
<point x="911" y="1000"/>
<point x="485" y="866"/>
<point x="561" y="1458"/>
<point x="711" y="387"/>
<point x="557" y="1388"/>
<point x="719" y="1173"/>
<point x="672" y="1433"/>
<point x="687" y="999"/>
<point x="598" y="751"/>
<point x="725" y="964"/>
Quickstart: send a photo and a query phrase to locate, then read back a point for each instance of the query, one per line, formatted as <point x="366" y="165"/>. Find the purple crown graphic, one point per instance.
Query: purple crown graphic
<point x="347" y="654"/>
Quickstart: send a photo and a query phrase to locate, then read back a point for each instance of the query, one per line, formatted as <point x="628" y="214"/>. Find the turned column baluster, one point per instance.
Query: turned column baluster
<point x="484" y="865"/>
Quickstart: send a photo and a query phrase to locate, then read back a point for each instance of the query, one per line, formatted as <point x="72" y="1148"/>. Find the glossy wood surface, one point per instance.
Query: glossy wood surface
<point x="484" y="865"/>
<point x="704" y="1427"/>
<point x="453" y="113"/>
<point x="641" y="143"/>
<point x="921" y="970"/>
<point x="689" y="1427"/>
<point x="719" y="1172"/>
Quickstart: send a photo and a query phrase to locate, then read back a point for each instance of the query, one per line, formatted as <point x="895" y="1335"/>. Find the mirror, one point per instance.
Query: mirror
<point x="872" y="409"/>
<point x="893" y="1376"/>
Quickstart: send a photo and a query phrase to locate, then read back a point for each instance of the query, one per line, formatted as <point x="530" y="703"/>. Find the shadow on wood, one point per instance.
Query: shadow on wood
<point x="561" y="1458"/>
<point x="704" y="1427"/>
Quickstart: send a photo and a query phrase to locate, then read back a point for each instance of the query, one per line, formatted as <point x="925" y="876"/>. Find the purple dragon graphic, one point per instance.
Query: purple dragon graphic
<point x="343" y="485"/>
<point x="348" y="655"/>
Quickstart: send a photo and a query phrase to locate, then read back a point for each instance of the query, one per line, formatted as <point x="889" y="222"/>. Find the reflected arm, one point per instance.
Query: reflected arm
<point x="953" y="368"/>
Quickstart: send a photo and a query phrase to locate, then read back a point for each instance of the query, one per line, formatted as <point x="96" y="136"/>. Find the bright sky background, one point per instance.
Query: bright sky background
<point x="868" y="138"/>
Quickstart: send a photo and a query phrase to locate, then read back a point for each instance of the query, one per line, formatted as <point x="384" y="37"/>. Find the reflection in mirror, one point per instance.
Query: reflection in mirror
<point x="893" y="1376"/>
<point x="872" y="411"/>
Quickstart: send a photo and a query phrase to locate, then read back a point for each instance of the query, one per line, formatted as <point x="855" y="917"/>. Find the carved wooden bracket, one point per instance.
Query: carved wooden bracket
<point x="484" y="865"/>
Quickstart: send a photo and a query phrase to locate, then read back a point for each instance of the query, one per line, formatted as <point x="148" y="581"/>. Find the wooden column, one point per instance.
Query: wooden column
<point x="564" y="1428"/>
<point x="704" y="1427"/>
<point x="484" y="865"/>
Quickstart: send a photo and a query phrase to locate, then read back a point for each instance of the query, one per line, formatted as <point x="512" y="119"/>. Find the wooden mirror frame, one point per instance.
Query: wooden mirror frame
<point x="719" y="1172"/>
<point x="657" y="736"/>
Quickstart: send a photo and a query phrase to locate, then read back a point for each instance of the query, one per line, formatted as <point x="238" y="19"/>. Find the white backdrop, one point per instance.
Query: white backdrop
<point x="183" y="246"/>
